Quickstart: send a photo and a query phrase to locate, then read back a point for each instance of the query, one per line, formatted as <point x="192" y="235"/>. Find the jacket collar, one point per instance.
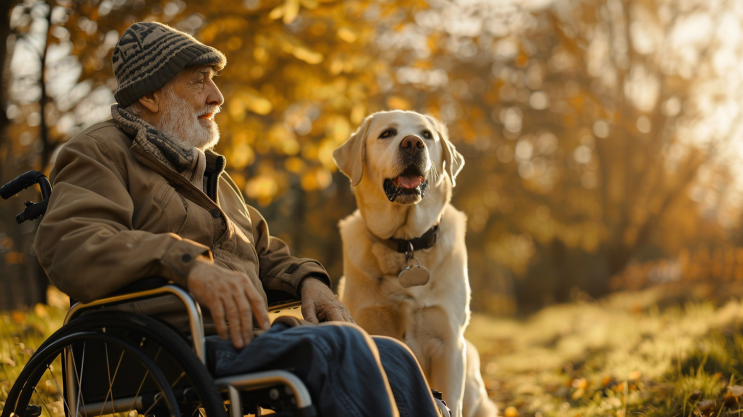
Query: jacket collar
<point x="426" y="241"/>
<point x="215" y="164"/>
<point x="165" y="156"/>
<point x="153" y="141"/>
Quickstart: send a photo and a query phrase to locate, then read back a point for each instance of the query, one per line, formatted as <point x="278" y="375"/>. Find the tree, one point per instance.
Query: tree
<point x="604" y="111"/>
<point x="585" y="125"/>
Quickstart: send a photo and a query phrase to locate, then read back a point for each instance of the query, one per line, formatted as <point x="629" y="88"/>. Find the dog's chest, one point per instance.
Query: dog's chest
<point x="391" y="263"/>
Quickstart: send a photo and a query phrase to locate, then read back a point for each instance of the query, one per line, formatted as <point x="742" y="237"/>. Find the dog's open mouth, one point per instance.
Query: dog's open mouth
<point x="410" y="183"/>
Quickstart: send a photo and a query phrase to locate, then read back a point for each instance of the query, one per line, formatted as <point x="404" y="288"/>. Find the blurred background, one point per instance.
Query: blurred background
<point x="601" y="137"/>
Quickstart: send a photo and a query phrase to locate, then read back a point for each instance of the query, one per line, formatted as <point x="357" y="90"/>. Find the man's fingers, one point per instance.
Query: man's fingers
<point x="346" y="314"/>
<point x="309" y="312"/>
<point x="347" y="317"/>
<point x="246" y="316"/>
<point x="232" y="299"/>
<point x="218" y="315"/>
<point x="233" y="320"/>
<point x="334" y="314"/>
<point x="259" y="307"/>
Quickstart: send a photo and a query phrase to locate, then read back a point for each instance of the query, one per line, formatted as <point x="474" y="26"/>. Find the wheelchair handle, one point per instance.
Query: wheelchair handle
<point x="24" y="181"/>
<point x="20" y="183"/>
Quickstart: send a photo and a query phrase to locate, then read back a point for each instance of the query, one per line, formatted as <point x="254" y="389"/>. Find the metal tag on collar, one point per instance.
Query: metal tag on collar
<point x="413" y="275"/>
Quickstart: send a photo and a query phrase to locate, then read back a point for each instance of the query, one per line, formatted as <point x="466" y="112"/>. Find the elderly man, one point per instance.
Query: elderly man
<point x="143" y="194"/>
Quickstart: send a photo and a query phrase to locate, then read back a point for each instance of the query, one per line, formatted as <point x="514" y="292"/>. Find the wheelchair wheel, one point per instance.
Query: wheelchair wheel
<point x="120" y="363"/>
<point x="42" y="362"/>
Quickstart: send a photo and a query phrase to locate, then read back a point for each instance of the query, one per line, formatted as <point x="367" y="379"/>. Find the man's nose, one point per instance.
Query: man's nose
<point x="215" y="96"/>
<point x="411" y="144"/>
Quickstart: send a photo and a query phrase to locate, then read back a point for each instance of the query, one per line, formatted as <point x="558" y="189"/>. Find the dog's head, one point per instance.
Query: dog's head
<point x="402" y="153"/>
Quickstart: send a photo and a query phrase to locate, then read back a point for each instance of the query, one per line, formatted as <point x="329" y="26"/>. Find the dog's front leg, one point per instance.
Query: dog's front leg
<point x="440" y="347"/>
<point x="447" y="365"/>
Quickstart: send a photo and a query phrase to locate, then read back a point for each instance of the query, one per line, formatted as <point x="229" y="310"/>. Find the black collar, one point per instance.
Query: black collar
<point x="424" y="242"/>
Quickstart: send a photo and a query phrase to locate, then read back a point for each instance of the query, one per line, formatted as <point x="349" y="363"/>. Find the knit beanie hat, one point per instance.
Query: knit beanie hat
<point x="150" y="54"/>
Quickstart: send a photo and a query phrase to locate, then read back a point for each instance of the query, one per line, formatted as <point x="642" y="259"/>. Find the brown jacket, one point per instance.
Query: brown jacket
<point x="120" y="211"/>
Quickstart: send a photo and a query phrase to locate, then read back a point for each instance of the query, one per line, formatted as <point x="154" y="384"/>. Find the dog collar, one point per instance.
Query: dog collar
<point x="424" y="242"/>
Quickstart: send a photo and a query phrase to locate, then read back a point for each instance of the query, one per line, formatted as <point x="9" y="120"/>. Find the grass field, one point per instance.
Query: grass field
<point x="660" y="352"/>
<point x="666" y="351"/>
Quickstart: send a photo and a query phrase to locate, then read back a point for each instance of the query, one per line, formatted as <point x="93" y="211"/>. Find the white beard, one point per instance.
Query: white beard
<point x="180" y="124"/>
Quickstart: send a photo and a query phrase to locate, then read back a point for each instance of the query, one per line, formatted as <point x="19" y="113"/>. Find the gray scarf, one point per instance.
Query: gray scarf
<point x="155" y="142"/>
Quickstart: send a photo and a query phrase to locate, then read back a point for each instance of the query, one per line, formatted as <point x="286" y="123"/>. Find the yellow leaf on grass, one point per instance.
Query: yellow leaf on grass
<point x="18" y="316"/>
<point x="578" y="393"/>
<point x="40" y="310"/>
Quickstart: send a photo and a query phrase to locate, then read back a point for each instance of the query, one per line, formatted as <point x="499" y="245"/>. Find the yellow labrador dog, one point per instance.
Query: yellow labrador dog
<point x="404" y="257"/>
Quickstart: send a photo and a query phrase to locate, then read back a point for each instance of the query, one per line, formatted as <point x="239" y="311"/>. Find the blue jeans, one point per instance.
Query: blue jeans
<point x="339" y="364"/>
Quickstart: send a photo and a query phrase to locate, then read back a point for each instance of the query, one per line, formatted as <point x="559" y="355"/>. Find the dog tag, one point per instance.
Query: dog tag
<point x="414" y="275"/>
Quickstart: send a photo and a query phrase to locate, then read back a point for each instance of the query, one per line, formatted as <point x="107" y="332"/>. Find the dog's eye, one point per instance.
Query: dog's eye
<point x="427" y="134"/>
<point x="388" y="133"/>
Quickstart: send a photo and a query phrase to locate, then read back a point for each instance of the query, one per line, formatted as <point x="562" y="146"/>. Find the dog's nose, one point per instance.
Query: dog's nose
<point x="411" y="144"/>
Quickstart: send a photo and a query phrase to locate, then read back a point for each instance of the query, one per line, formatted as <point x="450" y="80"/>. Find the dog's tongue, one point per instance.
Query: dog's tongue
<point x="409" y="182"/>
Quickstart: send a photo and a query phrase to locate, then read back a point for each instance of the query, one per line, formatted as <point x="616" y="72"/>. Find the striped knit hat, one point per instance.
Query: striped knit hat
<point x="150" y="54"/>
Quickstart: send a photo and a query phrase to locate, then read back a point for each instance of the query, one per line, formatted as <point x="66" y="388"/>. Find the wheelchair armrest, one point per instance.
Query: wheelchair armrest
<point x="148" y="288"/>
<point x="279" y="301"/>
<point x="143" y="284"/>
<point x="277" y="297"/>
<point x="282" y="302"/>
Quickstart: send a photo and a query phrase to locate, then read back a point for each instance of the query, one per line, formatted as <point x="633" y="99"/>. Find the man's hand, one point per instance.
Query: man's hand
<point x="228" y="295"/>
<point x="319" y="303"/>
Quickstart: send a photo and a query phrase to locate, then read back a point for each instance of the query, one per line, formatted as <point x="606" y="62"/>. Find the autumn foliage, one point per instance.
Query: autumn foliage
<point x="597" y="134"/>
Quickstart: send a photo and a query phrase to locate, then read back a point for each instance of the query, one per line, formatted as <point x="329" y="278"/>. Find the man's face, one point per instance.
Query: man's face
<point x="190" y="102"/>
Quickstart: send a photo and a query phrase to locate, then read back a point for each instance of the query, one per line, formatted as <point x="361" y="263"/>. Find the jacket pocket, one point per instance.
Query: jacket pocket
<point x="174" y="208"/>
<point x="185" y="219"/>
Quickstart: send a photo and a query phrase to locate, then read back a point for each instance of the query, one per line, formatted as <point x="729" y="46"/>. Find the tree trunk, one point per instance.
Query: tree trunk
<point x="23" y="281"/>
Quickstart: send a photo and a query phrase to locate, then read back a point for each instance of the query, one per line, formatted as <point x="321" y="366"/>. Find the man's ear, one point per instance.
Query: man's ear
<point x="152" y="101"/>
<point x="453" y="160"/>
<point x="350" y="156"/>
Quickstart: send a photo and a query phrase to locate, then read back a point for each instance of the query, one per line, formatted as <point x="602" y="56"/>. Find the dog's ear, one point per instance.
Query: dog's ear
<point x="350" y="156"/>
<point x="453" y="160"/>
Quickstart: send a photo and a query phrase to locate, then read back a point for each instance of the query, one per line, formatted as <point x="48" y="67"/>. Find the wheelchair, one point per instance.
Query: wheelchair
<point x="125" y="355"/>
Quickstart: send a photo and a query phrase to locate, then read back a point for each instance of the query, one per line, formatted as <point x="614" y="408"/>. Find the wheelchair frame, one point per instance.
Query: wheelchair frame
<point x="230" y="387"/>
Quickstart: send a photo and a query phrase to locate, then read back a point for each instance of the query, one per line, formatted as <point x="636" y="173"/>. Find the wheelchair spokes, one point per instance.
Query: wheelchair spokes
<point x="47" y="399"/>
<point x="116" y="372"/>
<point x="78" y="377"/>
<point x="144" y="378"/>
<point x="59" y="391"/>
<point x="42" y="396"/>
<point x="115" y="364"/>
